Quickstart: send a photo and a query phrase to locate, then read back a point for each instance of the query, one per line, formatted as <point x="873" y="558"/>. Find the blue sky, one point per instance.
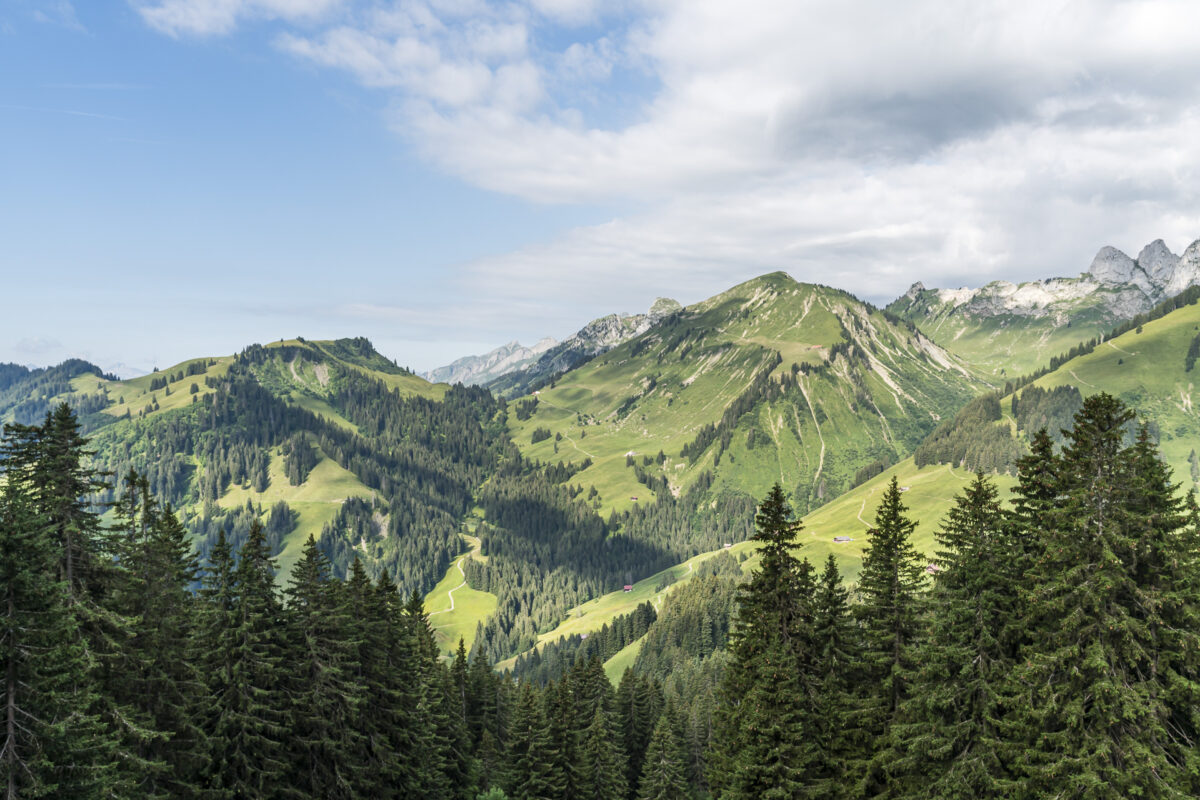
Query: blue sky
<point x="185" y="177"/>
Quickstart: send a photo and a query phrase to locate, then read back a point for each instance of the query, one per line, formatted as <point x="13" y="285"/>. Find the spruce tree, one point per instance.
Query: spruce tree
<point x="602" y="769"/>
<point x="761" y="747"/>
<point x="158" y="676"/>
<point x="244" y="638"/>
<point x="836" y="656"/>
<point x="637" y="713"/>
<point x="946" y="741"/>
<point x="52" y="744"/>
<point x="1095" y="715"/>
<point x="54" y="460"/>
<point x="484" y="720"/>
<point x="889" y="613"/>
<point x="326" y="696"/>
<point x="394" y="717"/>
<point x="54" y="457"/>
<point x="529" y="768"/>
<point x="664" y="775"/>
<point x="564" y="731"/>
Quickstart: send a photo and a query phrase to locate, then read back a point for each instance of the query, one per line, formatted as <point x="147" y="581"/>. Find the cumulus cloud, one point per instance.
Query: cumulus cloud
<point x="865" y="144"/>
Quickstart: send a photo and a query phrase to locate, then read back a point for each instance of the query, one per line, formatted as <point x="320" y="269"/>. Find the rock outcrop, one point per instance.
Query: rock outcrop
<point x="475" y="370"/>
<point x="1114" y="288"/>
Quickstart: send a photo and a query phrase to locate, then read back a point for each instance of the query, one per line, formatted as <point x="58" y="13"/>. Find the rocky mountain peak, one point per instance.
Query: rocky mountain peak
<point x="1111" y="266"/>
<point x="1158" y="262"/>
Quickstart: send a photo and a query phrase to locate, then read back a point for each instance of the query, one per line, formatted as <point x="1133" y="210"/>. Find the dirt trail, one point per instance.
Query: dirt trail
<point x="450" y="594"/>
<point x="458" y="562"/>
<point x="1081" y="380"/>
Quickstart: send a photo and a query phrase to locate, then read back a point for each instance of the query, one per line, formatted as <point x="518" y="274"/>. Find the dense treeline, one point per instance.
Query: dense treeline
<point x="974" y="439"/>
<point x="1049" y="650"/>
<point x="1052" y="654"/>
<point x="547" y="552"/>
<point x="423" y="458"/>
<point x="119" y="681"/>
<point x="1050" y="410"/>
<point x="552" y="660"/>
<point x="694" y="622"/>
<point x="29" y="394"/>
<point x="299" y="458"/>
<point x="971" y="439"/>
<point x="688" y="525"/>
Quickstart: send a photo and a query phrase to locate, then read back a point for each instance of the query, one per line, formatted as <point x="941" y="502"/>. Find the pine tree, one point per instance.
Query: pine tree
<point x="244" y="639"/>
<point x="529" y="768"/>
<point x="664" y="776"/>
<point x="563" y="731"/>
<point x="326" y="697"/>
<point x="637" y="713"/>
<point x="158" y="675"/>
<point x="946" y="741"/>
<point x="1094" y="712"/>
<point x="484" y="722"/>
<point x="54" y="461"/>
<point x="767" y="711"/>
<point x="889" y="614"/>
<point x="394" y="718"/>
<point x="52" y="744"/>
<point x="602" y="770"/>
<point x="836" y="664"/>
<point x="53" y="457"/>
<point x="1035" y="499"/>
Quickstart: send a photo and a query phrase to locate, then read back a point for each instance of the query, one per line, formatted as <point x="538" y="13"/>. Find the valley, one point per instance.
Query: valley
<point x="675" y="425"/>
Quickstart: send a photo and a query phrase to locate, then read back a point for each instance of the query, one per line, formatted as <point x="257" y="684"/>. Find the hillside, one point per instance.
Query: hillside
<point x="770" y="380"/>
<point x="296" y="434"/>
<point x="1008" y="329"/>
<point x="1146" y="367"/>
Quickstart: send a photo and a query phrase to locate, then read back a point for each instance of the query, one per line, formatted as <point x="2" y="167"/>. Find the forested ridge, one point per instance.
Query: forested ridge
<point x="1047" y="649"/>
<point x="422" y="464"/>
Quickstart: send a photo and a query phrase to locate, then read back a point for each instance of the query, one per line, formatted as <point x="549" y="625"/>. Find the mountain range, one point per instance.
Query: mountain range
<point x="478" y="370"/>
<point x="512" y="370"/>
<point x="563" y="471"/>
<point x="1009" y="329"/>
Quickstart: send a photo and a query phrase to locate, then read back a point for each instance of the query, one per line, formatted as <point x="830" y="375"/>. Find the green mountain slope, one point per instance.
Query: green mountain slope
<point x="1146" y="367"/>
<point x="1004" y="345"/>
<point x="328" y="439"/>
<point x="1008" y="329"/>
<point x="771" y="380"/>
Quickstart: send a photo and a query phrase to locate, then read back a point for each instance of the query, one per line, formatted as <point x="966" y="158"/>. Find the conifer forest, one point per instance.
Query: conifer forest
<point x="1050" y="649"/>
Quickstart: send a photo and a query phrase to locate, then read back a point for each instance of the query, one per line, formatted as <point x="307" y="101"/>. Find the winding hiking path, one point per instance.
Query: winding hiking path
<point x="458" y="564"/>
<point x="1081" y="380"/>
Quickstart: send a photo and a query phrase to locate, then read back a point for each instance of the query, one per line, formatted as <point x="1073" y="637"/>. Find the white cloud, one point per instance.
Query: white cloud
<point x="864" y="144"/>
<point x="208" y="17"/>
<point x="59" y="12"/>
